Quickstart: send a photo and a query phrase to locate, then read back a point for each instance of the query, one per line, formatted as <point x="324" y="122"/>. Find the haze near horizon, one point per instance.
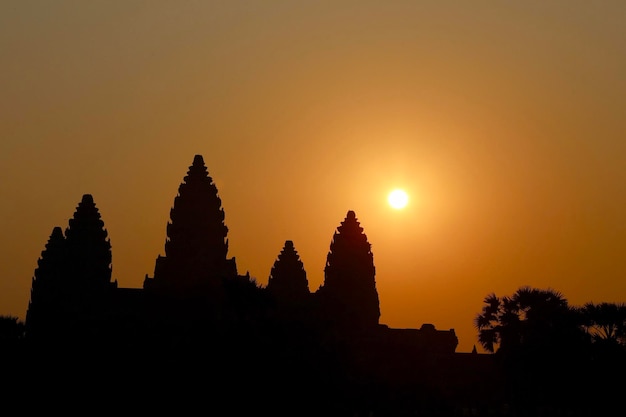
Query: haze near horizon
<point x="504" y="123"/>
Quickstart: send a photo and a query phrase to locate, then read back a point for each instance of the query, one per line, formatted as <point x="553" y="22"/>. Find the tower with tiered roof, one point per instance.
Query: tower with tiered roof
<point x="72" y="282"/>
<point x="196" y="246"/>
<point x="348" y="297"/>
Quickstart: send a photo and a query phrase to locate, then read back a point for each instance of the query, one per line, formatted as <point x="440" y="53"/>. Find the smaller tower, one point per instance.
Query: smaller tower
<point x="88" y="248"/>
<point x="72" y="288"/>
<point x="287" y="282"/>
<point x="45" y="304"/>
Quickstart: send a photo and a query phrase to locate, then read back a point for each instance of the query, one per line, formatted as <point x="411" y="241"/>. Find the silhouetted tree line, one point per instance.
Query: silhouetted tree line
<point x="554" y="356"/>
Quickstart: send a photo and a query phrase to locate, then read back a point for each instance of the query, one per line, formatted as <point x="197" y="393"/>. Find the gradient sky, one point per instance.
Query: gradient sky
<point x="505" y="121"/>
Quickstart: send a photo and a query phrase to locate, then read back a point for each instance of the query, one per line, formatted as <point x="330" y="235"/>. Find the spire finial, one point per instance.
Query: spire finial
<point x="198" y="160"/>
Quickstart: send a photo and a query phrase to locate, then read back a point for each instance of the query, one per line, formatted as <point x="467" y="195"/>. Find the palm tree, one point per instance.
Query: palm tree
<point x="488" y="323"/>
<point x="540" y="344"/>
<point x="530" y="317"/>
<point x="606" y="322"/>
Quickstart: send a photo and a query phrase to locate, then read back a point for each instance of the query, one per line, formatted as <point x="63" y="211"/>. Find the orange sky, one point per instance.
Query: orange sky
<point x="505" y="121"/>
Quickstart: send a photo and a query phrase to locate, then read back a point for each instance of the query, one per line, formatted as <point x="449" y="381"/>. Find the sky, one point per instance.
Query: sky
<point x="505" y="122"/>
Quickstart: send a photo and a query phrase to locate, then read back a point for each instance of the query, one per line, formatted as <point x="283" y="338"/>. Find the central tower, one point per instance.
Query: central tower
<point x="196" y="247"/>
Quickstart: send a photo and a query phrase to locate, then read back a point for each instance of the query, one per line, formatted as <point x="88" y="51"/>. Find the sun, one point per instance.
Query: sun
<point x="398" y="199"/>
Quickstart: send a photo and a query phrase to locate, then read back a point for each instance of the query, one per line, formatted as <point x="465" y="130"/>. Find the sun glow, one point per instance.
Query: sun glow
<point x="398" y="199"/>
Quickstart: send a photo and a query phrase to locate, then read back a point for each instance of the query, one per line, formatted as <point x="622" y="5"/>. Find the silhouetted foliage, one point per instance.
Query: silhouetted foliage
<point x="540" y="342"/>
<point x="605" y="322"/>
<point x="530" y="317"/>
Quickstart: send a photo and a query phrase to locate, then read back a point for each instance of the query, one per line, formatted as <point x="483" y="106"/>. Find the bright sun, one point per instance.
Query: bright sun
<point x="398" y="199"/>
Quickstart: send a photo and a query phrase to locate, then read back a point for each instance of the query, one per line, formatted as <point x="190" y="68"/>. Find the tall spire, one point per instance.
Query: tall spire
<point x="196" y="246"/>
<point x="349" y="293"/>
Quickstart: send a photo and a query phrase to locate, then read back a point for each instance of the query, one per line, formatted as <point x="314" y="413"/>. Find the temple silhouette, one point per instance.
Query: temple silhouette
<point x="197" y="314"/>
